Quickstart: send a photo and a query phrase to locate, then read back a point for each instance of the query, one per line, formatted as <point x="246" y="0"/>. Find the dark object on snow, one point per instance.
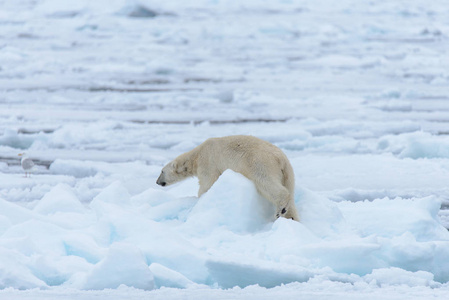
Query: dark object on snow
<point x="140" y="11"/>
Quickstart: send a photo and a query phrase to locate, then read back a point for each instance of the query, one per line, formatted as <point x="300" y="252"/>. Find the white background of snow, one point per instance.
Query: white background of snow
<point x="358" y="93"/>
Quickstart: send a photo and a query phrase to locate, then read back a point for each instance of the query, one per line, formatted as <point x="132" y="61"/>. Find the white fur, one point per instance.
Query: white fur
<point x="261" y="162"/>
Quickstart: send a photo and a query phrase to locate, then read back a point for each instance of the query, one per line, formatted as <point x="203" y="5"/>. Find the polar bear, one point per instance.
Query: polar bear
<point x="260" y="161"/>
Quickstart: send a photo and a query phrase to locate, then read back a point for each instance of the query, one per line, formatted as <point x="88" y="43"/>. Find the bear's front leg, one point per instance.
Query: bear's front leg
<point x="206" y="181"/>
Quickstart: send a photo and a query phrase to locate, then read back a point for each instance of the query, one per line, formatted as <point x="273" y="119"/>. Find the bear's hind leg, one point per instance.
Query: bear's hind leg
<point x="292" y="213"/>
<point x="280" y="197"/>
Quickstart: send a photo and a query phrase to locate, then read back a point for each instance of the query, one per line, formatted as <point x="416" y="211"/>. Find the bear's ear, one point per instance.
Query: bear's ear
<point x="183" y="169"/>
<point x="174" y="165"/>
<point x="180" y="168"/>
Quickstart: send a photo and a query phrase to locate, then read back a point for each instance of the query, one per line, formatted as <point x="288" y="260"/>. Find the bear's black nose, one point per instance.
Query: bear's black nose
<point x="163" y="183"/>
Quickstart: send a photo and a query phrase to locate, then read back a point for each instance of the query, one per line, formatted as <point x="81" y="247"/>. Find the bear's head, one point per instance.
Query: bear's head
<point x="173" y="172"/>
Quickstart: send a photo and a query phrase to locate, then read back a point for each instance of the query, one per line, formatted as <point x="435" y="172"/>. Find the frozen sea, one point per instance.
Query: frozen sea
<point x="101" y="94"/>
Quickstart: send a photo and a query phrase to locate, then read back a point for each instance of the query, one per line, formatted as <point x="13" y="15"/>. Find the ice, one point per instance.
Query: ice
<point x="319" y="214"/>
<point x="73" y="168"/>
<point x="228" y="235"/>
<point x="14" y="274"/>
<point x="415" y="216"/>
<point x="115" y="193"/>
<point x="212" y="211"/>
<point x="14" y="214"/>
<point x="242" y="274"/>
<point x="123" y="264"/>
<point x="396" y="276"/>
<point x="416" y="145"/>
<point x="164" y="277"/>
<point x="12" y="139"/>
<point x="138" y="11"/>
<point x="60" y="199"/>
<point x="395" y="105"/>
<point x="102" y="94"/>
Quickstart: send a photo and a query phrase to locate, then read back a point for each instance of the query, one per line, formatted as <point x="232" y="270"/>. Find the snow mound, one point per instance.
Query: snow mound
<point x="165" y="277"/>
<point x="20" y="141"/>
<point x="74" y="168"/>
<point x="416" y="145"/>
<point x="232" y="203"/>
<point x="13" y="272"/>
<point x="123" y="264"/>
<point x="319" y="214"/>
<point x="60" y="199"/>
<point x="396" y="276"/>
<point x="418" y="217"/>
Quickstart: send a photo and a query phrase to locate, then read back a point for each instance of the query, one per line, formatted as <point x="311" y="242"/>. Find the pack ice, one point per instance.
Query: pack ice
<point x="101" y="94"/>
<point x="224" y="239"/>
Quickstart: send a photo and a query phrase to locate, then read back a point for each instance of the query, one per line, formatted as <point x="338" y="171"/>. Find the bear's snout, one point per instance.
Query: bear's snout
<point x="161" y="181"/>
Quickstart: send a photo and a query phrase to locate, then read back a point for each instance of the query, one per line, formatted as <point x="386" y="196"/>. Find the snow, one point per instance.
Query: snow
<point x="122" y="265"/>
<point x="226" y="238"/>
<point x="102" y="94"/>
<point x="215" y="208"/>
